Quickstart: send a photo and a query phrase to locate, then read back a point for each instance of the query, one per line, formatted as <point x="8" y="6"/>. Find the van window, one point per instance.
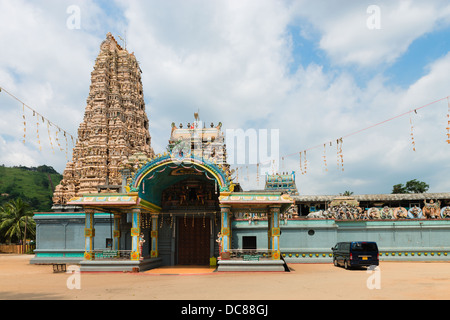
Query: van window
<point x="364" y="246"/>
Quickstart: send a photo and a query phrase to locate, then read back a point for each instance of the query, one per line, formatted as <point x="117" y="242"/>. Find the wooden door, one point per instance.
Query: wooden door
<point x="193" y="241"/>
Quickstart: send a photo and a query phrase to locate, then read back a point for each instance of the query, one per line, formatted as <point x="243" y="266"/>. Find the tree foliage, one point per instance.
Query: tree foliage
<point x="16" y="217"/>
<point x="412" y="186"/>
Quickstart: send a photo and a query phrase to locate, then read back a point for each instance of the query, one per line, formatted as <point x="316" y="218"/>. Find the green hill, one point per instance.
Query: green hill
<point x="33" y="185"/>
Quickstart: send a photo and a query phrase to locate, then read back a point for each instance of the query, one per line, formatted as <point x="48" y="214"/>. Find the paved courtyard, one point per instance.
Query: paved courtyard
<point x="394" y="280"/>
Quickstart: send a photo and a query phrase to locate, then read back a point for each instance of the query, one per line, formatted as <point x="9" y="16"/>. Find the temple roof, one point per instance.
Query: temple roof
<point x="376" y="197"/>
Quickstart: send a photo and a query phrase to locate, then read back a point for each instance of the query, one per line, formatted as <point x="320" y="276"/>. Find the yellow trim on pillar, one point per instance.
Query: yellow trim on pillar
<point x="135" y="232"/>
<point x="135" y="256"/>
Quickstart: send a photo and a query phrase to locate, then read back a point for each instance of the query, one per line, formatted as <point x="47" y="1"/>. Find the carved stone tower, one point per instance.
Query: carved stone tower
<point x="115" y="126"/>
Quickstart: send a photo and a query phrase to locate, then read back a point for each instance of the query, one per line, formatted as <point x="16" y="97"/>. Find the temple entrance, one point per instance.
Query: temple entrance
<point x="192" y="201"/>
<point x="193" y="241"/>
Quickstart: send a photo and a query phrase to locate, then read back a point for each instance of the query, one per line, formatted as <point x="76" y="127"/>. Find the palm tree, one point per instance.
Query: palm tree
<point x="16" y="219"/>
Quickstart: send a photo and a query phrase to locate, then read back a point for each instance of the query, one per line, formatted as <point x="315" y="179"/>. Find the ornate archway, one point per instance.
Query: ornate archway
<point x="170" y="182"/>
<point x="155" y="176"/>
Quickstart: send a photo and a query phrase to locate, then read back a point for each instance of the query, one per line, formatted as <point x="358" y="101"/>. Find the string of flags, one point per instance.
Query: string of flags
<point x="304" y="163"/>
<point x="412" y="133"/>
<point x="51" y="126"/>
<point x="448" y="121"/>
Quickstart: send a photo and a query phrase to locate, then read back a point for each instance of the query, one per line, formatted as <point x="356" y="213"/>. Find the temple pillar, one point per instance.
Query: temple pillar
<point x="89" y="234"/>
<point x="274" y="231"/>
<point x="135" y="234"/>
<point x="225" y="231"/>
<point x="154" y="237"/>
<point x="116" y="232"/>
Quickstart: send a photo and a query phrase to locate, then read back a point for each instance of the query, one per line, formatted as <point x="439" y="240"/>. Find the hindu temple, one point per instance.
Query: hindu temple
<point x="121" y="207"/>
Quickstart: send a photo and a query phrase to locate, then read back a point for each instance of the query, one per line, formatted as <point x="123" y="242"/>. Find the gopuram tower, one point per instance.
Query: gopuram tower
<point x="115" y="126"/>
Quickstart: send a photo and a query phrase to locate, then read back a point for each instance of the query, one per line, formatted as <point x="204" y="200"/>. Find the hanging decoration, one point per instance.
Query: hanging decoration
<point x="37" y="132"/>
<point x="306" y="162"/>
<point x="67" y="147"/>
<point x="257" y="174"/>
<point x="412" y="133"/>
<point x="39" y="118"/>
<point x="301" y="164"/>
<point x="50" y="137"/>
<point x="340" y="156"/>
<point x="448" y="121"/>
<point x="325" y="156"/>
<point x="24" y="124"/>
<point x="57" y="140"/>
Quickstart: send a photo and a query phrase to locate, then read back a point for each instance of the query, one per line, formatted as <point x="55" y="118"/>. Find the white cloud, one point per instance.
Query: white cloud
<point x="345" y="37"/>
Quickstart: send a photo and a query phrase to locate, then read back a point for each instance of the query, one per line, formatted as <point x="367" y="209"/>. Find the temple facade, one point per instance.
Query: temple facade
<point x="121" y="207"/>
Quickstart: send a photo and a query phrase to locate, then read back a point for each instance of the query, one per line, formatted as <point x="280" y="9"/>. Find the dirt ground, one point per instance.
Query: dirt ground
<point x="395" y="280"/>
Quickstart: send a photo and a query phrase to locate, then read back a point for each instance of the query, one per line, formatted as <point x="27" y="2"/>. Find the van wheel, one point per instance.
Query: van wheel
<point x="335" y="262"/>
<point x="346" y="265"/>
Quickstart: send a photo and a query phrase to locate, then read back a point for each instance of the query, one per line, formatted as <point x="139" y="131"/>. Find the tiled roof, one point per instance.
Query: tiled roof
<point x="376" y="197"/>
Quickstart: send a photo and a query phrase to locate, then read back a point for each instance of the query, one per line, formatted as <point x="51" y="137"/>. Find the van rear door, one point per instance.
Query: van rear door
<point x="364" y="253"/>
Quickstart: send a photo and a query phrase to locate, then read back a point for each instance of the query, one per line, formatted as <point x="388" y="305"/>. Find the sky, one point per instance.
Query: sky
<point x="313" y="71"/>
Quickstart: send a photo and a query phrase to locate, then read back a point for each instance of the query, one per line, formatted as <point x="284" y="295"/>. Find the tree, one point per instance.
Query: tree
<point x="412" y="186"/>
<point x="347" y="193"/>
<point x="399" y="188"/>
<point x="16" y="219"/>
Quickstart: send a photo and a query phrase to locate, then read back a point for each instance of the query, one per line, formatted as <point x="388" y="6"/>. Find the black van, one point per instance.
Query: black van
<point x="356" y="253"/>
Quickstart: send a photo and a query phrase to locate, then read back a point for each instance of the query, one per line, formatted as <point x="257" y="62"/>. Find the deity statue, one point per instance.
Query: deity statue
<point x="219" y="241"/>
<point x="431" y="210"/>
<point x="141" y="244"/>
<point x="400" y="213"/>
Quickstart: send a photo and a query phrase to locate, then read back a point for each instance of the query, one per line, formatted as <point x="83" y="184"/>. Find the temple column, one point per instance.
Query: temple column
<point x="225" y="243"/>
<point x="116" y="232"/>
<point x="89" y="234"/>
<point x="269" y="229"/>
<point x="274" y="229"/>
<point x="135" y="233"/>
<point x="154" y="234"/>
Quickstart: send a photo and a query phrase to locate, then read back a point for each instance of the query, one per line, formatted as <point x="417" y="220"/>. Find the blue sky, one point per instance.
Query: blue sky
<point x="312" y="70"/>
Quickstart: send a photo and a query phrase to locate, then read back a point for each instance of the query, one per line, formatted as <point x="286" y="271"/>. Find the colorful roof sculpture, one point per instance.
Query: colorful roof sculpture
<point x="282" y="182"/>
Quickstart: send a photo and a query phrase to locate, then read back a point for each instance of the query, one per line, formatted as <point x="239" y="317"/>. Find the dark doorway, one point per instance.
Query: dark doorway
<point x="193" y="241"/>
<point x="249" y="242"/>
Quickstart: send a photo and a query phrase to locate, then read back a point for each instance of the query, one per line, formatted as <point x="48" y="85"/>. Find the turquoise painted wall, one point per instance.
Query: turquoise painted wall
<point x="311" y="240"/>
<point x="61" y="236"/>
